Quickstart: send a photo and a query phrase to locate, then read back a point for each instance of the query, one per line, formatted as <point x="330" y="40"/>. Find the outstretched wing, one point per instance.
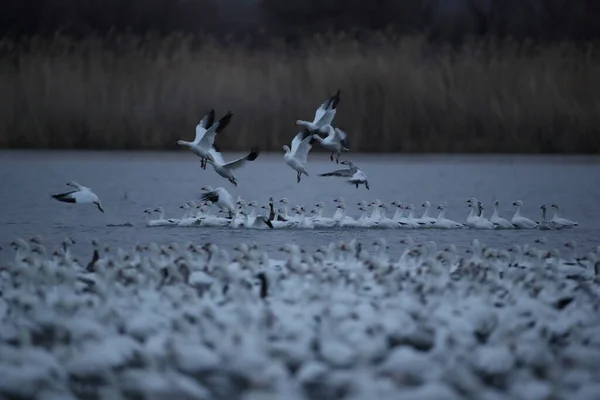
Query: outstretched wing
<point x="203" y="125"/>
<point x="216" y="155"/>
<point x="346" y="173"/>
<point x="303" y="149"/>
<point x="212" y="196"/>
<point x="208" y="139"/>
<point x="326" y="111"/>
<point x="254" y="152"/>
<point x="298" y="139"/>
<point x="341" y="135"/>
<point x="65" y="197"/>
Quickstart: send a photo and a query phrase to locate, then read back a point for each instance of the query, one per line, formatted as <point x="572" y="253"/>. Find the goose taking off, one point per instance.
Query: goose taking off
<point x="81" y="194"/>
<point x="205" y="136"/>
<point x="220" y="197"/>
<point x="332" y="139"/>
<point x="344" y="173"/>
<point x="324" y="114"/>
<point x="296" y="157"/>
<point x="226" y="169"/>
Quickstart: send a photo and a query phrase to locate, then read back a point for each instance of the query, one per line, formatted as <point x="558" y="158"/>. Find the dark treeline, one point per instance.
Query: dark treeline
<point x="540" y="20"/>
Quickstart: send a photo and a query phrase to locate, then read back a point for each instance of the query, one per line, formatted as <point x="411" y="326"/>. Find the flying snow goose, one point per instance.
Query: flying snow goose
<point x="81" y="194"/>
<point x="334" y="140"/>
<point x="296" y="157"/>
<point x="499" y="221"/>
<point x="561" y="221"/>
<point x="324" y="114"/>
<point x="205" y="135"/>
<point x="226" y="169"/>
<point x="220" y="197"/>
<point x="359" y="178"/>
<point x="344" y="173"/>
<point x="520" y="221"/>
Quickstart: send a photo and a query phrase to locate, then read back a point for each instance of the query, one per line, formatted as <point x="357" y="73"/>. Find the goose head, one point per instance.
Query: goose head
<point x="159" y="209"/>
<point x="540" y="240"/>
<point x="441" y="206"/>
<point x="148" y="211"/>
<point x="286" y="148"/>
<point x="496" y="203"/>
<point x="347" y="162"/>
<point x="543" y="207"/>
<point x="207" y="188"/>
<point x="362" y="203"/>
<point x="554" y="205"/>
<point x="426" y="203"/>
<point x="338" y="200"/>
<point x="409" y="207"/>
<point x="185" y="206"/>
<point x="284" y="201"/>
<point x="252" y="204"/>
<point x="517" y="203"/>
<point x="192" y="204"/>
<point x="36" y="240"/>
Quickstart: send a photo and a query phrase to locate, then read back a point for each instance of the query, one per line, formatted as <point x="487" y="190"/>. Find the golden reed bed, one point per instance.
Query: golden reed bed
<point x="398" y="94"/>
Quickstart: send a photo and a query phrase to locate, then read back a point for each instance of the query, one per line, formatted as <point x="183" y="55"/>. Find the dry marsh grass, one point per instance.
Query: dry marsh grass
<point x="398" y="94"/>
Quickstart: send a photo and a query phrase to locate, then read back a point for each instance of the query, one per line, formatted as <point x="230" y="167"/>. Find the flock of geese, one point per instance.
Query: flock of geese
<point x="242" y="214"/>
<point x="347" y="321"/>
<point x="320" y="130"/>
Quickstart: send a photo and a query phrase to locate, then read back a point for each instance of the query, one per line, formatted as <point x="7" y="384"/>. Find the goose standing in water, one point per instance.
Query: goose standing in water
<point x="547" y="224"/>
<point x="205" y="136"/>
<point x="161" y="221"/>
<point x="498" y="221"/>
<point x="297" y="155"/>
<point x="425" y="217"/>
<point x="323" y="116"/>
<point x="80" y="195"/>
<point x="220" y="197"/>
<point x="482" y="222"/>
<point x="567" y="223"/>
<point x="226" y="169"/>
<point x="520" y="221"/>
<point x="444" y="223"/>
<point x="344" y="173"/>
<point x="334" y="140"/>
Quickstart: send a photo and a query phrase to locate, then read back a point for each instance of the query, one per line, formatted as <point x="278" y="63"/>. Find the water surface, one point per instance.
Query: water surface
<point x="129" y="182"/>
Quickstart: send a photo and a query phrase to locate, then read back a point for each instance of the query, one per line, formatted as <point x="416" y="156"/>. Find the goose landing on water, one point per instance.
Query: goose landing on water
<point x="359" y="178"/>
<point x="296" y="157"/>
<point x="80" y="195"/>
<point x="344" y="173"/>
<point x="226" y="169"/>
<point x="220" y="197"/>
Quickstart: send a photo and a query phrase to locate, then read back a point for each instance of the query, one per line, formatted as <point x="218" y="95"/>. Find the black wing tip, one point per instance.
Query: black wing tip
<point x="269" y="224"/>
<point x="224" y="121"/>
<point x="335" y="100"/>
<point x="216" y="147"/>
<point x="254" y="152"/>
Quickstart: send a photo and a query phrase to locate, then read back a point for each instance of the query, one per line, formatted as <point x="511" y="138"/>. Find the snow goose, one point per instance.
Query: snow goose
<point x="547" y="224"/>
<point x="561" y="221"/>
<point x="319" y="220"/>
<point x="344" y="173"/>
<point x="226" y="169"/>
<point x="205" y="136"/>
<point x="324" y="114"/>
<point x="425" y="217"/>
<point x="472" y="217"/>
<point x="297" y="155"/>
<point x="258" y="222"/>
<point x="161" y="221"/>
<point x="220" y="197"/>
<point x="499" y="221"/>
<point x="444" y="223"/>
<point x="80" y="195"/>
<point x="519" y="221"/>
<point x="482" y="222"/>
<point x="285" y="208"/>
<point x="411" y="220"/>
<point x="385" y="222"/>
<point x="333" y="140"/>
<point x="359" y="178"/>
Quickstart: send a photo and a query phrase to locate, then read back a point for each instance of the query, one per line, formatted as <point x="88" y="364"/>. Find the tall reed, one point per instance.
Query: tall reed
<point x="399" y="94"/>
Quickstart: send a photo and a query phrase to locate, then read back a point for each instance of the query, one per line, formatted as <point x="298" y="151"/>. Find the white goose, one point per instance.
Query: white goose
<point x="567" y="223"/>
<point x="334" y="140"/>
<point x="158" y="221"/>
<point x="444" y="223"/>
<point x="482" y="222"/>
<point x="220" y="197"/>
<point x="520" y="221"/>
<point x="472" y="217"/>
<point x="359" y="178"/>
<point x="80" y="195"/>
<point x="323" y="116"/>
<point x="500" y="223"/>
<point x="296" y="156"/>
<point x="344" y="173"/>
<point x="258" y="222"/>
<point x="205" y="136"/>
<point x="226" y="169"/>
<point x="161" y="221"/>
<point x="425" y="217"/>
<point x="547" y="224"/>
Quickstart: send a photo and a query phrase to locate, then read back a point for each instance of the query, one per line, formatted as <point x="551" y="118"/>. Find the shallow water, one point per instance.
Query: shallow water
<point x="127" y="183"/>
